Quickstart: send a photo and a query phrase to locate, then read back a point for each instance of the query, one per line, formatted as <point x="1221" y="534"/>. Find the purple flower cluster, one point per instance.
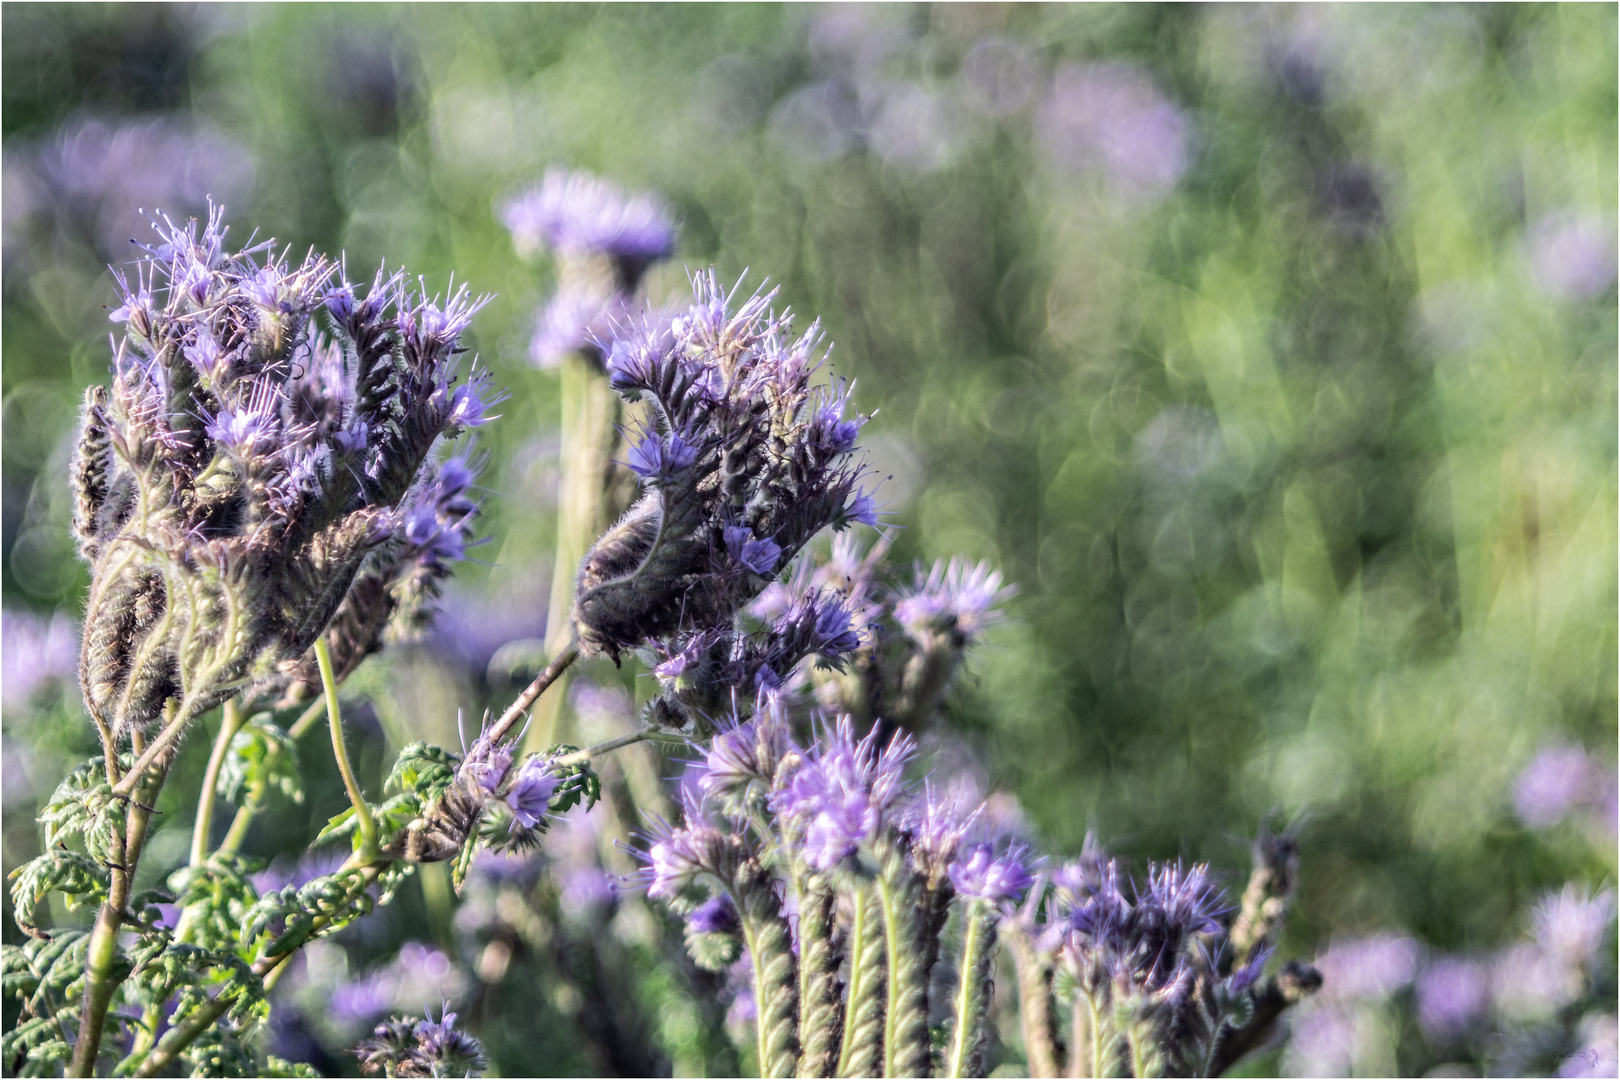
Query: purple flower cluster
<point x="844" y="793"/>
<point x="743" y="462"/>
<point x="1112" y="117"/>
<point x="240" y="449"/>
<point x="421" y="1048"/>
<point x="953" y="600"/>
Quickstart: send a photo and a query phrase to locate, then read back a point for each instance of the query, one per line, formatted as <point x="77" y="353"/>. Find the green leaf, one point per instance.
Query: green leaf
<point x="79" y="878"/>
<point x="262" y="756"/>
<point x="575" y="782"/>
<point x="83" y="806"/>
<point x="218" y="895"/>
<point x="424" y="769"/>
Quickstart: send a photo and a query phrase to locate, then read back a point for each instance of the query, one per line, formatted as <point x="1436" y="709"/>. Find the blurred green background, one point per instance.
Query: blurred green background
<point x="1270" y="351"/>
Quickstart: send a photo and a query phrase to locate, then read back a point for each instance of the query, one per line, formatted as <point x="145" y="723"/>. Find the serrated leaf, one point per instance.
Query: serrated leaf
<point x="424" y="769"/>
<point x="80" y="879"/>
<point x="338" y="825"/>
<point x="83" y="807"/>
<point x="218" y="896"/>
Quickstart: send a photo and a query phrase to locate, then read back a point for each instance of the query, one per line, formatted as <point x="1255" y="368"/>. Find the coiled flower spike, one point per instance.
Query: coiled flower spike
<point x="241" y="469"/>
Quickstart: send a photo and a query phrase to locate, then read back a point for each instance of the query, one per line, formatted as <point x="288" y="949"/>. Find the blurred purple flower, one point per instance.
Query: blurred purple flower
<point x="574" y="212"/>
<point x="93" y="177"/>
<point x="33" y="651"/>
<point x="1452" y="995"/>
<point x="717" y="915"/>
<point x="1571" y="925"/>
<point x="1371" y="967"/>
<point x="1572" y="256"/>
<point x="1599" y="1054"/>
<point x="585" y="890"/>
<point x="1559" y="780"/>
<point x="363" y="1000"/>
<point x="1528" y="983"/>
<point x="1111" y="116"/>
<point x="997" y="77"/>
<point x="1327" y="1040"/>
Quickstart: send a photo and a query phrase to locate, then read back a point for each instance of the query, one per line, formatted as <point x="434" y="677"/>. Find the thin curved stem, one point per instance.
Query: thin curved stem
<point x="362" y="812"/>
<point x="580" y="756"/>
<point x="230" y="723"/>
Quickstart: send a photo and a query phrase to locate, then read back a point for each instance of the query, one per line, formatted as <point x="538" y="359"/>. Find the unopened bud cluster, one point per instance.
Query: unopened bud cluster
<point x="243" y="467"/>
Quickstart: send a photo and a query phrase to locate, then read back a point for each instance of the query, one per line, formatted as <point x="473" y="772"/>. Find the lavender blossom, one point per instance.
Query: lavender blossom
<point x="843" y="792"/>
<point x="1368" y="968"/>
<point x="1571" y="255"/>
<point x="984" y="875"/>
<point x="531" y="791"/>
<point x="1571" y="925"/>
<point x="424" y="1048"/>
<point x="575" y="213"/>
<point x="1560" y="779"/>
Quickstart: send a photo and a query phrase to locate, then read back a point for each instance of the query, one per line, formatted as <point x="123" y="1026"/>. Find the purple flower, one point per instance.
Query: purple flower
<point x="245" y="428"/>
<point x="744" y="754"/>
<point x="288" y="873"/>
<point x="1185" y="897"/>
<point x="861" y="510"/>
<point x="717" y="915"/>
<point x="1112" y="116"/>
<point x="531" y="792"/>
<point x="1368" y="968"/>
<point x="1246" y="976"/>
<point x="843" y="791"/>
<point x="577" y="213"/>
<point x="586" y="889"/>
<point x="656" y="458"/>
<point x="362" y="1000"/>
<point x="1572" y="256"/>
<point x="758" y="556"/>
<point x="437" y="524"/>
<point x="983" y="875"/>
<point x="1452" y="995"/>
<point x="452" y="1052"/>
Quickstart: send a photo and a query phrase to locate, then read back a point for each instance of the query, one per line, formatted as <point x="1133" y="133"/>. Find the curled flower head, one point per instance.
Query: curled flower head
<point x="576" y="213"/>
<point x="243" y="469"/>
<point x="745" y="756"/>
<point x="739" y="473"/>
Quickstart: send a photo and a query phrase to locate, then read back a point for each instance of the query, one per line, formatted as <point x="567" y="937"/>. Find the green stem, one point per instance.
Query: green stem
<point x="362" y="812"/>
<point x="775" y="980"/>
<point x="229" y="725"/>
<point x="1097" y="1064"/>
<point x="579" y="757"/>
<point x="860" y="1053"/>
<point x="101" y="953"/>
<point x="973" y="991"/>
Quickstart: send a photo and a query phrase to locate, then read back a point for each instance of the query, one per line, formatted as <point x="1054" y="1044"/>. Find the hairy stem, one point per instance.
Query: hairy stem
<point x="542" y="682"/>
<point x="965" y="1054"/>
<point x="174" y="722"/>
<point x="1034" y="1001"/>
<point x="580" y="756"/>
<point x="230" y="723"/>
<point x="775" y="981"/>
<point x="905" y="1021"/>
<point x="334" y="718"/>
<point x="820" y="1022"/>
<point x="862" y="1048"/>
<point x="102" y="951"/>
